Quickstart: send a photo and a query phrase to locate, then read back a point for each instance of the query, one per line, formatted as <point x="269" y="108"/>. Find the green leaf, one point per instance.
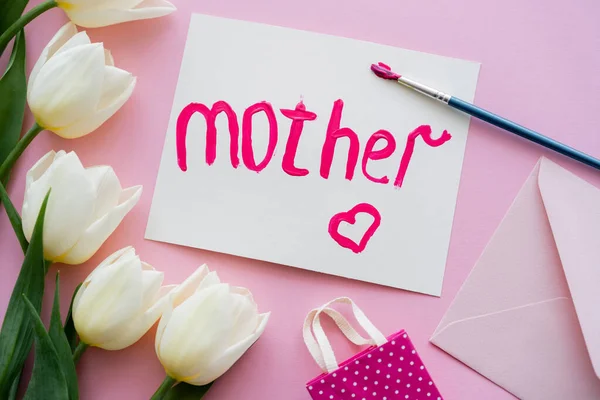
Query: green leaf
<point x="70" y="331"/>
<point x="14" y="389"/>
<point x="16" y="335"/>
<point x="185" y="391"/>
<point x="13" y="217"/>
<point x="10" y="11"/>
<point x="61" y="344"/>
<point x="13" y="93"/>
<point x="47" y="380"/>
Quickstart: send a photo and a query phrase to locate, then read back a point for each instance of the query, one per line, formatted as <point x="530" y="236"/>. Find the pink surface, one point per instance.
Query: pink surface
<point x="539" y="68"/>
<point x="393" y="370"/>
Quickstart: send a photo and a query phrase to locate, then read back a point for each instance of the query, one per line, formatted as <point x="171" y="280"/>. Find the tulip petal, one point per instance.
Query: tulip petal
<point x="108" y="189"/>
<point x="70" y="206"/>
<point x="116" y="82"/>
<point x="230" y="356"/>
<point x="197" y="330"/>
<point x="130" y="333"/>
<point x="165" y="290"/>
<point x="127" y="335"/>
<point x="61" y="37"/>
<point x="68" y="86"/>
<point x="138" y="327"/>
<point x="162" y="324"/>
<point x="111" y="300"/>
<point x="109" y="310"/>
<point x="151" y="283"/>
<point x="97" y="233"/>
<point x="79" y="39"/>
<point x="188" y="287"/>
<point x="244" y="292"/>
<point x="162" y="298"/>
<point x="209" y="280"/>
<point x="108" y="58"/>
<point x="31" y="206"/>
<point x="245" y="315"/>
<point x="115" y="283"/>
<point x="116" y="91"/>
<point x="40" y="167"/>
<point x="125" y="253"/>
<point x="97" y="16"/>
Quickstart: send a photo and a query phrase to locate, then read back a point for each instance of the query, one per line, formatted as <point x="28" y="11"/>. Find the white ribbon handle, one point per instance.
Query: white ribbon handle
<point x="342" y="323"/>
<point x="320" y="348"/>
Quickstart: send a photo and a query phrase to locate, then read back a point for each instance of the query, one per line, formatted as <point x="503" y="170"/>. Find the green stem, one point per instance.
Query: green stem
<point x="19" y="149"/>
<point x="24" y="20"/>
<point x="163" y="388"/>
<point x="79" y="350"/>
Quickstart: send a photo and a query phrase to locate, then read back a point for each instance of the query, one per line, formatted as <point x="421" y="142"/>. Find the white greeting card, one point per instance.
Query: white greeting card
<point x="283" y="146"/>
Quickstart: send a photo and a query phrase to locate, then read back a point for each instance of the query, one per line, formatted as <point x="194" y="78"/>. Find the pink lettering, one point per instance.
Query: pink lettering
<point x="210" y="115"/>
<point x="371" y="154"/>
<point x="298" y="116"/>
<point x="247" y="150"/>
<point x="425" y="132"/>
<point x="334" y="132"/>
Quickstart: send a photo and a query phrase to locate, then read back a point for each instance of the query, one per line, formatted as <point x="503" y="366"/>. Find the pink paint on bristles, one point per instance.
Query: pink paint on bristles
<point x="384" y="72"/>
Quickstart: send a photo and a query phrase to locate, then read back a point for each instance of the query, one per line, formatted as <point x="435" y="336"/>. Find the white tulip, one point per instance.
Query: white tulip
<point x="74" y="86"/>
<point x="210" y="328"/>
<point x="119" y="301"/>
<point x="96" y="13"/>
<point x="85" y="206"/>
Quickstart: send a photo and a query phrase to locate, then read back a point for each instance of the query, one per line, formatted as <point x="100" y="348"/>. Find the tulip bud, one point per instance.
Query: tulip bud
<point x="74" y="87"/>
<point x="210" y="328"/>
<point x="119" y="301"/>
<point x="97" y="13"/>
<point x="86" y="205"/>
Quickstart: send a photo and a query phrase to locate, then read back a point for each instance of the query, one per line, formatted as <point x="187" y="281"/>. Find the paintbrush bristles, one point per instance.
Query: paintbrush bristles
<point x="385" y="72"/>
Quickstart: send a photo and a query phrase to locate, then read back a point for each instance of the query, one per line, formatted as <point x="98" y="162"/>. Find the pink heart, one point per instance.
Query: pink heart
<point x="350" y="218"/>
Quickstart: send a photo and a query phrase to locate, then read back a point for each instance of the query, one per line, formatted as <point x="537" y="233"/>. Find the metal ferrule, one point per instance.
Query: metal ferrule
<point x="426" y="90"/>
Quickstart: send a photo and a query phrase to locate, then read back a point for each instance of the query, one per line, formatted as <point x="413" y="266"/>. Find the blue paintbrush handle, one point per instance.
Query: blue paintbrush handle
<point x="384" y="72"/>
<point x="523" y="132"/>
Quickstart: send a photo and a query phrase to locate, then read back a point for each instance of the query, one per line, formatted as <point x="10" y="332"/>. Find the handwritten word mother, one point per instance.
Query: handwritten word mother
<point x="299" y="116"/>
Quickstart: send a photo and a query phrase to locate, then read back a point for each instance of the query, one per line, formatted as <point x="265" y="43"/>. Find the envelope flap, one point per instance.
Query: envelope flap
<point x="541" y="339"/>
<point x="520" y="264"/>
<point x="573" y="209"/>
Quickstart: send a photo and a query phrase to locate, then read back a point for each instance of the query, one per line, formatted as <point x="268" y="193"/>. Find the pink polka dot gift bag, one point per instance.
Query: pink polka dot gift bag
<point x="389" y="369"/>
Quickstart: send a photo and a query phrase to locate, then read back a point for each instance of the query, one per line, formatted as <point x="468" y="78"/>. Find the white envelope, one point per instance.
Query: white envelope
<point x="528" y="316"/>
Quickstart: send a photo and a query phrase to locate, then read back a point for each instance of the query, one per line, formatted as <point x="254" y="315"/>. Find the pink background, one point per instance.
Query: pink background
<point x="539" y="67"/>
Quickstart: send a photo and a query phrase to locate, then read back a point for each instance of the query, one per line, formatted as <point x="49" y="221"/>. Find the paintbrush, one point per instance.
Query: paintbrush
<point x="383" y="71"/>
